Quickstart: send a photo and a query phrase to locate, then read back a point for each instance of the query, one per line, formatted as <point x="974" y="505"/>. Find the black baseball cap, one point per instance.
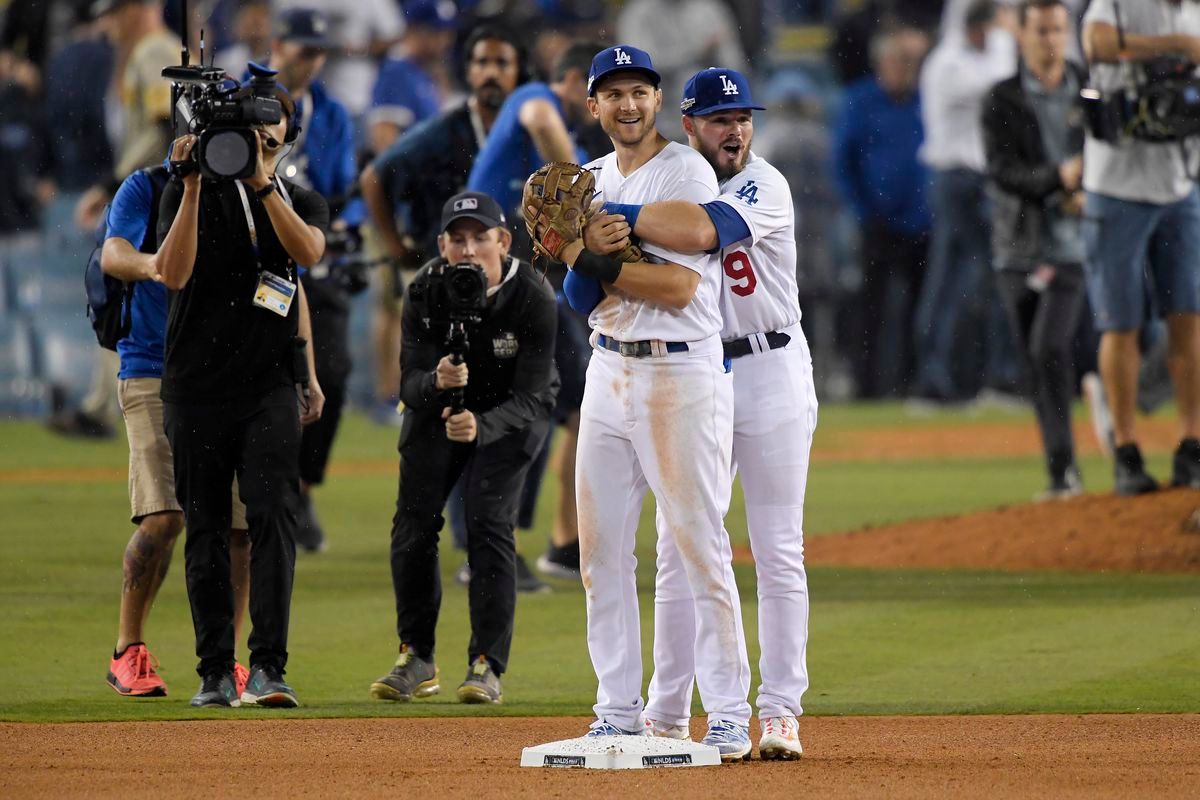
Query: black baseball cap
<point x="472" y="205"/>
<point x="304" y="26"/>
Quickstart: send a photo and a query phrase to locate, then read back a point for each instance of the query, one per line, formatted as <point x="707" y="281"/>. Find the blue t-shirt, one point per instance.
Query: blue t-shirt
<point x="404" y="94"/>
<point x="509" y="156"/>
<point x="141" y="351"/>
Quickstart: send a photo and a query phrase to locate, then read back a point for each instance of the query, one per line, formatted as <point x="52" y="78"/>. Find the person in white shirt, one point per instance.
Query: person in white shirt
<point x="752" y="225"/>
<point x="657" y="414"/>
<point x="954" y="81"/>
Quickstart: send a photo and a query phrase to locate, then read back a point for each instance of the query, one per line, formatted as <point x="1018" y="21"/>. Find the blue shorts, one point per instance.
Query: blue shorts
<point x="1127" y="244"/>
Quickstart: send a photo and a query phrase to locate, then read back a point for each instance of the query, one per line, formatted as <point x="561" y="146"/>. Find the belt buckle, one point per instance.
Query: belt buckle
<point x="629" y="349"/>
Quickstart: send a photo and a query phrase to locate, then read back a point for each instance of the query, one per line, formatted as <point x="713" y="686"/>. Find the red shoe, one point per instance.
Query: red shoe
<point x="133" y="674"/>
<point x="240" y="676"/>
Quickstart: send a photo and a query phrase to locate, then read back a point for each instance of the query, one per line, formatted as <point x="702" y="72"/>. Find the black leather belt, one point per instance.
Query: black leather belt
<point x="638" y="349"/>
<point x="742" y="347"/>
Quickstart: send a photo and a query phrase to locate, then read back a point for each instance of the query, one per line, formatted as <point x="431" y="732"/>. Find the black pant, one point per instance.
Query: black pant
<point x="893" y="267"/>
<point x="330" y="324"/>
<point x="1044" y="324"/>
<point x="258" y="439"/>
<point x="493" y="475"/>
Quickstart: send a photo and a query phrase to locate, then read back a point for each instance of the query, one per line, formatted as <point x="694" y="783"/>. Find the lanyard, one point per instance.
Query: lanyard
<point x="476" y="124"/>
<point x="250" y="217"/>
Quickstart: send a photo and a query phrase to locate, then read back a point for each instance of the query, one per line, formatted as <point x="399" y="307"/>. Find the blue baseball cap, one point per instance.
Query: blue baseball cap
<point x="439" y="14"/>
<point x="715" y="89"/>
<point x="621" y="58"/>
<point x="303" y="26"/>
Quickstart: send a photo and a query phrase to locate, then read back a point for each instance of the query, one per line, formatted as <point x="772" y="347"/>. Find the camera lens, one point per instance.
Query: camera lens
<point x="228" y="154"/>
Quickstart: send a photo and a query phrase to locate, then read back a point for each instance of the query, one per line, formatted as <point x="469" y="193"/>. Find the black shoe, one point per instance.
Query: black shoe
<point x="1186" y="472"/>
<point x="560" y="562"/>
<point x="482" y="685"/>
<point x="1130" y="474"/>
<point x="412" y="677"/>
<point x="266" y="687"/>
<point x="217" y="689"/>
<point x="527" y="582"/>
<point x="1063" y="485"/>
<point x="309" y="536"/>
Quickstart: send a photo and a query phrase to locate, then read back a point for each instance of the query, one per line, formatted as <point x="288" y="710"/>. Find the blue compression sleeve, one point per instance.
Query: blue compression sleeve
<point x="582" y="293"/>
<point x="630" y="212"/>
<point x="729" y="224"/>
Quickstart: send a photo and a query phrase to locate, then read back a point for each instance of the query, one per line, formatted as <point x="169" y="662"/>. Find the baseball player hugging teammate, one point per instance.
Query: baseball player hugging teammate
<point x="657" y="410"/>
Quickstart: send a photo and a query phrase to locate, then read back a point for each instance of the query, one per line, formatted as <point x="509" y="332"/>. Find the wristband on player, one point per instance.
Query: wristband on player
<point x="629" y="212"/>
<point x="603" y="268"/>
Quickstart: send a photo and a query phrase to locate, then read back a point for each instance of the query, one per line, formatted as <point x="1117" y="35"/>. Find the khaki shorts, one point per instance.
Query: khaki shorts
<point x="151" y="468"/>
<point x="388" y="297"/>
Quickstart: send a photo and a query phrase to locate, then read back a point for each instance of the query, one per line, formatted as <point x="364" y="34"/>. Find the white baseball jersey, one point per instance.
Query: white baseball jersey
<point x="676" y="173"/>
<point x="775" y="414"/>
<point x="760" y="271"/>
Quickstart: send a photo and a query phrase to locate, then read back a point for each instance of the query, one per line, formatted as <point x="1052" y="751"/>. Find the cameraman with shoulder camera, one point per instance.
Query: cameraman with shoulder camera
<point x="487" y="428"/>
<point x="229" y="250"/>
<point x="1142" y="222"/>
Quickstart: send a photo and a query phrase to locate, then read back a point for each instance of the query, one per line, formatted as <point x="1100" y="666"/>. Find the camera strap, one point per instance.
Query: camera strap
<point x="273" y="292"/>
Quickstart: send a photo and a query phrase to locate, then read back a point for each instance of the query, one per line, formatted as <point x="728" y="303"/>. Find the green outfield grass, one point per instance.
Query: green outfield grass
<point x="882" y="641"/>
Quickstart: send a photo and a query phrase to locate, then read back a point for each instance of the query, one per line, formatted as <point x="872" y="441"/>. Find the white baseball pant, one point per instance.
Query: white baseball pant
<point x="775" y="414"/>
<point x="663" y="423"/>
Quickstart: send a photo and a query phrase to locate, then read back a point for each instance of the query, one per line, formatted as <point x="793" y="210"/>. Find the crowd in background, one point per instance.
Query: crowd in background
<point x="874" y="122"/>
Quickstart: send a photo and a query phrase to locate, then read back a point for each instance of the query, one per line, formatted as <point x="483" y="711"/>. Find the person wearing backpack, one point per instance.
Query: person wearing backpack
<point x="129" y="316"/>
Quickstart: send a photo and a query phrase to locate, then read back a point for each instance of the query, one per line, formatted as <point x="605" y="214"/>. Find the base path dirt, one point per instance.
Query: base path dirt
<point x="1159" y="532"/>
<point x="896" y="757"/>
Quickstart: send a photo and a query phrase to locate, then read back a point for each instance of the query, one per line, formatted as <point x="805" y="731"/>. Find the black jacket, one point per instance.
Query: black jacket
<point x="513" y="381"/>
<point x="1024" y="183"/>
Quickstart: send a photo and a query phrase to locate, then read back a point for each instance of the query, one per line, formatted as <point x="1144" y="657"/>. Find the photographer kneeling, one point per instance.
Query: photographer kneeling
<point x="474" y="307"/>
<point x="1142" y="215"/>
<point x="236" y="360"/>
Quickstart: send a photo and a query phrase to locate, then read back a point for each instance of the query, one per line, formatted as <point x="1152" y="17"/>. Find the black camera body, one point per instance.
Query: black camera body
<point x="1163" y="107"/>
<point x="224" y="115"/>
<point x="450" y="293"/>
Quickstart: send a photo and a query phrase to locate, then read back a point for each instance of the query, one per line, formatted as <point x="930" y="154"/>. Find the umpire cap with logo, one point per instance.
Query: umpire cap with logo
<point x="620" y="58"/>
<point x="714" y="89"/>
<point x="303" y="26"/>
<point x="472" y="205"/>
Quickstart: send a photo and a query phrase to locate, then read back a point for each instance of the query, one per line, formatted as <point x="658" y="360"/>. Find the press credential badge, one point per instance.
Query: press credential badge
<point x="274" y="293"/>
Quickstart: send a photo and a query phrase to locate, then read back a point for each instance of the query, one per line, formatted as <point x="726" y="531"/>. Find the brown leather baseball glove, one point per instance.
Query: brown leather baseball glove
<point x="555" y="202"/>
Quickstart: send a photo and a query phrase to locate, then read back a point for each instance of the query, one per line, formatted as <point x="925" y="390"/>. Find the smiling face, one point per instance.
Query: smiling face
<point x="626" y="106"/>
<point x="723" y="139"/>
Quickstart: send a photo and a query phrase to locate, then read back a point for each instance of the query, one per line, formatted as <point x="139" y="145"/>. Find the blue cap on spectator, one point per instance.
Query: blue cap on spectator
<point x="431" y="13"/>
<point x="620" y="58"/>
<point x="714" y="89"/>
<point x="304" y="26"/>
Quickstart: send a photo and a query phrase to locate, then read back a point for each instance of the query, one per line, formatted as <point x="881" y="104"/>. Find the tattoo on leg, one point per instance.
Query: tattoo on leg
<point x="139" y="560"/>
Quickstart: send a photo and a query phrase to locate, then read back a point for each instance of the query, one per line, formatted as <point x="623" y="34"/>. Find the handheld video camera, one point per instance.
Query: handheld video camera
<point x="455" y="295"/>
<point x="221" y="112"/>
<point x="1164" y="105"/>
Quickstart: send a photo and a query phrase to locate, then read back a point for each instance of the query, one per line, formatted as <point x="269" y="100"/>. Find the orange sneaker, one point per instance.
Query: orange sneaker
<point x="132" y="673"/>
<point x="240" y="676"/>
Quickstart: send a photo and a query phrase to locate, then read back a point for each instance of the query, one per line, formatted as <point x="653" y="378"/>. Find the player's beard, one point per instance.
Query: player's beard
<point x="723" y="164"/>
<point x="628" y="135"/>
<point x="490" y="95"/>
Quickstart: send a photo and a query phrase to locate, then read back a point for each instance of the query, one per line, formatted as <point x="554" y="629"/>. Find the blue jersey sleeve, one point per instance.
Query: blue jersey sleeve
<point x="129" y="214"/>
<point x="403" y="96"/>
<point x="582" y="293"/>
<point x="728" y="222"/>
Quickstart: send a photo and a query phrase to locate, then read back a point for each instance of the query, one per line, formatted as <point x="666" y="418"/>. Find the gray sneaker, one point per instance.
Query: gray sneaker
<point x="482" y="685"/>
<point x="411" y="677"/>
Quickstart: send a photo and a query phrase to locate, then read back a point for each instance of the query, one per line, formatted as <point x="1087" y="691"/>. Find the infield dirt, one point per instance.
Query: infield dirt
<point x="895" y="757"/>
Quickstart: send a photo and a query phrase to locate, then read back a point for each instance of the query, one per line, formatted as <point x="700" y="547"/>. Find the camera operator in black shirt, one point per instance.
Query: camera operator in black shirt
<point x="237" y="357"/>
<point x="474" y="313"/>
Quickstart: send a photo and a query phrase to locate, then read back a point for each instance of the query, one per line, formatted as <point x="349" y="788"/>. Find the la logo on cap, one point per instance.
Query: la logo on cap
<point x="466" y="204"/>
<point x="623" y="57"/>
<point x="730" y="86"/>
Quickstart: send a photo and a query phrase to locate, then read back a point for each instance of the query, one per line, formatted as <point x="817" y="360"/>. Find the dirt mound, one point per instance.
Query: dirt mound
<point x="1123" y="755"/>
<point x="1159" y="532"/>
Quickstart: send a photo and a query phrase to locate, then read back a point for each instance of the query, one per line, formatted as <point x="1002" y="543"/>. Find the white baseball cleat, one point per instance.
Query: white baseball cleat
<point x="665" y="730"/>
<point x="780" y="739"/>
